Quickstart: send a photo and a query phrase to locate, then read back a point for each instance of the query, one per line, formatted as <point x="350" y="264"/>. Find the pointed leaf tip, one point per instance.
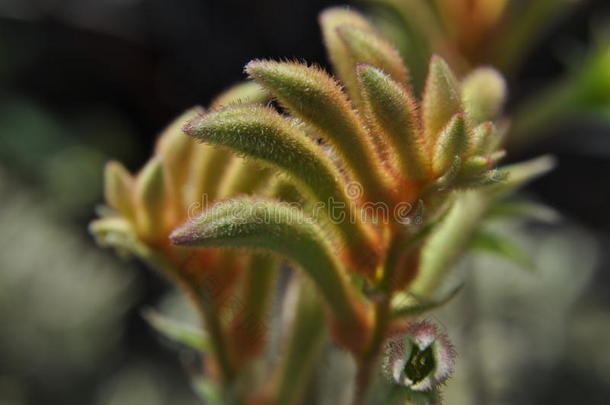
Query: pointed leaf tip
<point x="519" y="174"/>
<point x="176" y="331"/>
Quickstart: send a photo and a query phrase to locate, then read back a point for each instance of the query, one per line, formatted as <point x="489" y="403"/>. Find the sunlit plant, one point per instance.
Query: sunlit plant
<point x="369" y="190"/>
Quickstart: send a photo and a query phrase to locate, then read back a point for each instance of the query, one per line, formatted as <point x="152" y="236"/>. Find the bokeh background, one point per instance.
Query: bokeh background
<point x="85" y="81"/>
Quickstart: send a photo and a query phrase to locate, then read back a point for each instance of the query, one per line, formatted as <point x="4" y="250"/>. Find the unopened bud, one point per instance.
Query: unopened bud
<point x="150" y="199"/>
<point x="421" y="359"/>
<point x="483" y="93"/>
<point x="118" y="186"/>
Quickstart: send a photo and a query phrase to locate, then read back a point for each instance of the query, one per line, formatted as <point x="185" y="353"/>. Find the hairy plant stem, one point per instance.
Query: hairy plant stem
<point x="447" y="243"/>
<point x="208" y="314"/>
<point x="367" y="361"/>
<point x="212" y="325"/>
<point x="202" y="302"/>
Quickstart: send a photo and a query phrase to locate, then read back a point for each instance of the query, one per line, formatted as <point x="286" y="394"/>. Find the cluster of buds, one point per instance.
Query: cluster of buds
<point x="177" y="183"/>
<point x="368" y="172"/>
<point x="502" y="33"/>
<point x="398" y="151"/>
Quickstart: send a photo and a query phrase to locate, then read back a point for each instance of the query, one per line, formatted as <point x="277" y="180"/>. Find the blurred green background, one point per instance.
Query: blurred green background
<point x="85" y="81"/>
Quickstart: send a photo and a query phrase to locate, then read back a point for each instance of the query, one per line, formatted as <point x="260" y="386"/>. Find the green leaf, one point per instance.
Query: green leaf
<point x="392" y="112"/>
<point x="523" y="209"/>
<point x="502" y="246"/>
<point x="313" y="96"/>
<point x="519" y="174"/>
<point x="177" y="332"/>
<point x="276" y="227"/>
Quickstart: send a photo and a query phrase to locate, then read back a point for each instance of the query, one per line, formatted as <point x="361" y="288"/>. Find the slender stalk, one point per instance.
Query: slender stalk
<point x="213" y="327"/>
<point x="366" y="363"/>
<point x="249" y="327"/>
<point x="303" y="348"/>
<point x="448" y="241"/>
<point x="208" y="313"/>
<point x="470" y="311"/>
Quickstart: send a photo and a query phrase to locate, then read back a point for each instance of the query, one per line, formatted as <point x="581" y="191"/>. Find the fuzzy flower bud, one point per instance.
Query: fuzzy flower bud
<point x="421" y="359"/>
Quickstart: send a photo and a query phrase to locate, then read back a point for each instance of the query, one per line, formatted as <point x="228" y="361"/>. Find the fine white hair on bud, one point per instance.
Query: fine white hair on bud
<point x="420" y="359"/>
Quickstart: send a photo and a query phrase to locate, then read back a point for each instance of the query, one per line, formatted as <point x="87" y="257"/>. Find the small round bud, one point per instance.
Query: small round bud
<point x="420" y="359"/>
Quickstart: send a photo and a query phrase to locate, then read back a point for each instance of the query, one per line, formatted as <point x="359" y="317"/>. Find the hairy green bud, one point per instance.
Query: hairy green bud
<point x="342" y="59"/>
<point x="150" y="198"/>
<point x="393" y="112"/>
<point x="263" y="134"/>
<point x="452" y="142"/>
<point x="176" y="150"/>
<point x="442" y="98"/>
<point x="483" y="93"/>
<point x="370" y="48"/>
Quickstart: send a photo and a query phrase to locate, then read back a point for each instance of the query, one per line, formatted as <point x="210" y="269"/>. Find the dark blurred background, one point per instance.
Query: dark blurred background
<point x="85" y="81"/>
